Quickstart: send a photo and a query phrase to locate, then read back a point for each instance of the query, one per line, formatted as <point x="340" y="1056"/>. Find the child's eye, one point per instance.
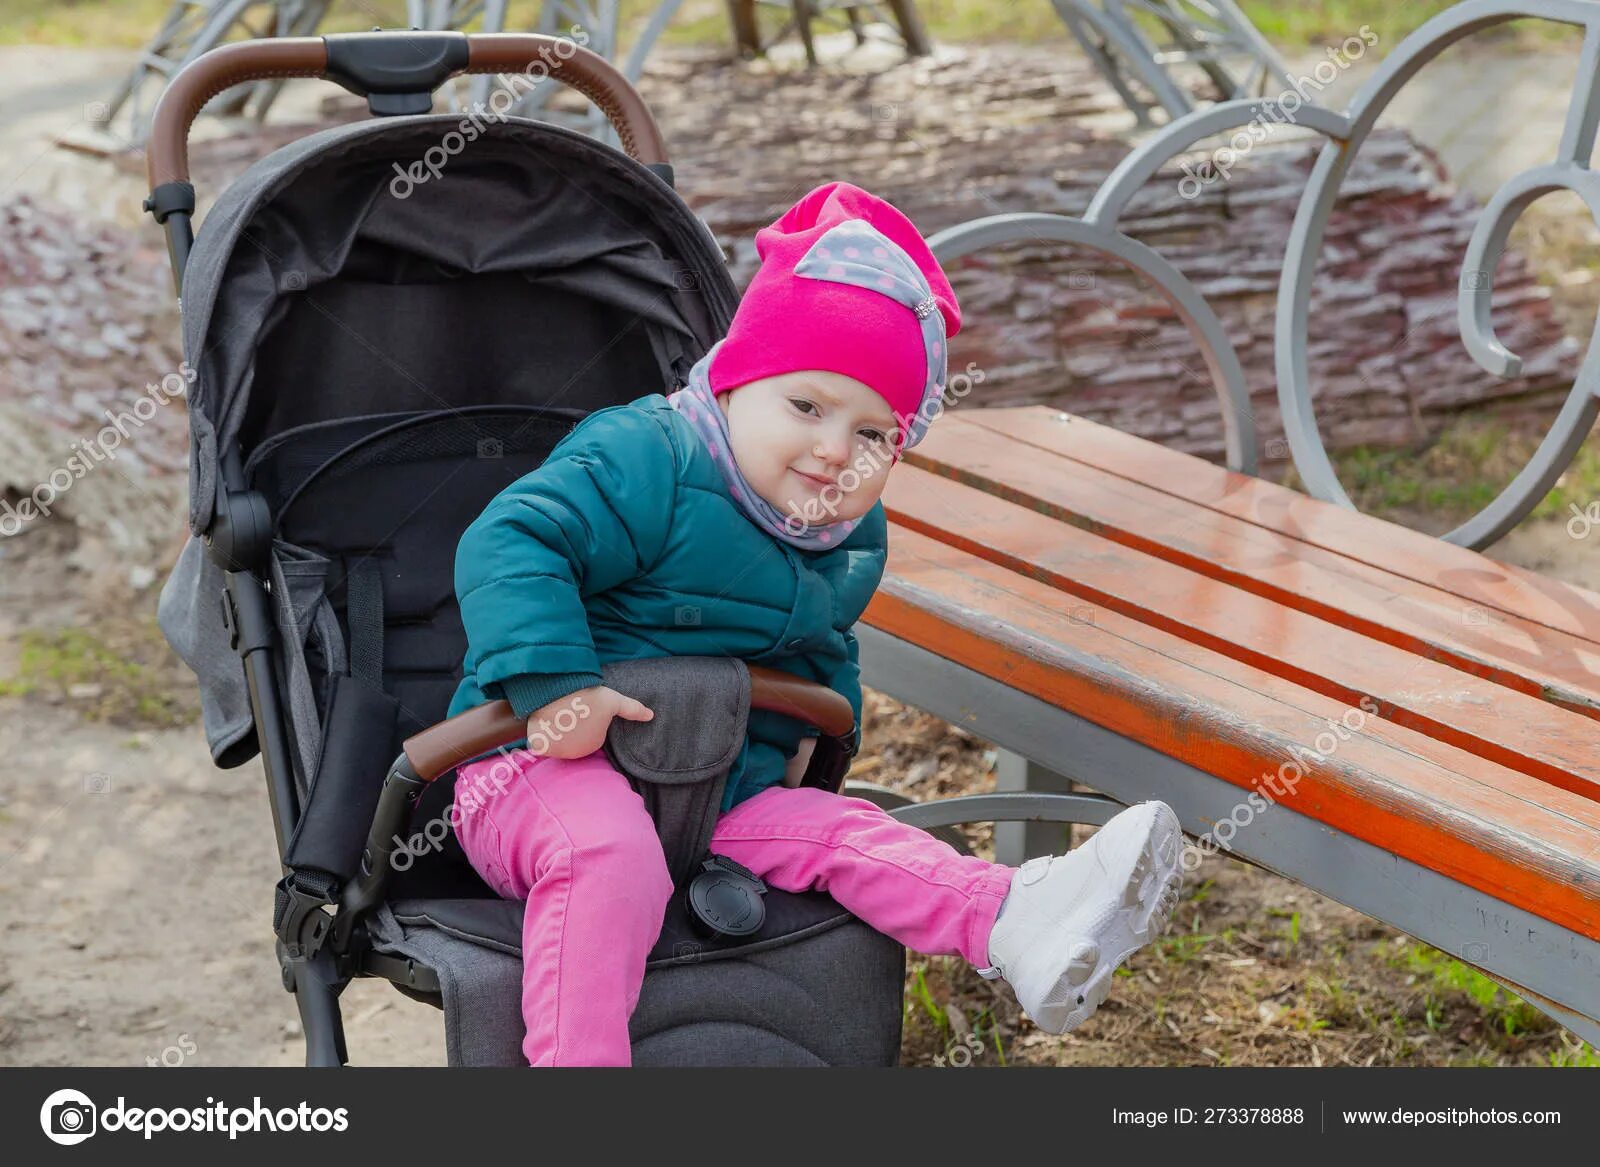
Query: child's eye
<point x="801" y="403"/>
<point x="874" y="436"/>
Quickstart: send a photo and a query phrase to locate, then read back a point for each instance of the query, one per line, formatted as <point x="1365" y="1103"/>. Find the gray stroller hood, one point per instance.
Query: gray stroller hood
<point x="341" y="278"/>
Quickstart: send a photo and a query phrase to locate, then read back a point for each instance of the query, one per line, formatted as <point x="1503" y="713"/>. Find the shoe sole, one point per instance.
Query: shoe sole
<point x="1149" y="896"/>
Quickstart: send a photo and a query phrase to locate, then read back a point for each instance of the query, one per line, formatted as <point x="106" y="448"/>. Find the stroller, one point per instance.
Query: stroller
<point x="375" y="360"/>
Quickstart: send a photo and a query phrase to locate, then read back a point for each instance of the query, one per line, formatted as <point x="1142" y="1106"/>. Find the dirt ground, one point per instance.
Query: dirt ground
<point x="136" y="879"/>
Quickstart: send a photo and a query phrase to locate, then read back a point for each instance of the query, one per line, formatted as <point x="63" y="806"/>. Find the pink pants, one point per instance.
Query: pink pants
<point x="573" y="839"/>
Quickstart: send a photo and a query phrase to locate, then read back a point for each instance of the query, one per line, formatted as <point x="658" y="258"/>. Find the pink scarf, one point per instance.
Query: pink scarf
<point x="698" y="404"/>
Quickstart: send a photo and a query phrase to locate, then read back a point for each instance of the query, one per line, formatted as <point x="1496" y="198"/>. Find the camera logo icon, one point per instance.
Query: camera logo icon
<point x="68" y="1117"/>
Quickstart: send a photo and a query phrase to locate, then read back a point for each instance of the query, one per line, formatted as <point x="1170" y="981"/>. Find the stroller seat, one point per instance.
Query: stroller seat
<point x="778" y="1001"/>
<point x="774" y="997"/>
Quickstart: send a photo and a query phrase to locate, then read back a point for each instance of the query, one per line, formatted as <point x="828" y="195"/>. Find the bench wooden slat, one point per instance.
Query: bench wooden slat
<point x="1485" y="825"/>
<point x="1536" y="737"/>
<point x="1508" y="649"/>
<point x="1511" y="590"/>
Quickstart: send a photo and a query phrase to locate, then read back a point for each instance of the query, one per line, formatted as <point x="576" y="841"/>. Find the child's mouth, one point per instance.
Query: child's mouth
<point x="814" y="480"/>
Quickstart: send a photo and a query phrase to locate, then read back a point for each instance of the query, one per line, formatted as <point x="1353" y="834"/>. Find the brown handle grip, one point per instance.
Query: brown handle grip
<point x="805" y="700"/>
<point x="589" y="73"/>
<point x="167" y="153"/>
<point x="440" y="748"/>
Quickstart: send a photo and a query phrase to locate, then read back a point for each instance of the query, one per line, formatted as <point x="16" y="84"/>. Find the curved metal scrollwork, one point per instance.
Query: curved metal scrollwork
<point x="1346" y="131"/>
<point x="1571" y="172"/>
<point x="1238" y="423"/>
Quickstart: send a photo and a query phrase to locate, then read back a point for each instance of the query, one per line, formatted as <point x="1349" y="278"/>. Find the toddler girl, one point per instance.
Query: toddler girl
<point x="715" y="522"/>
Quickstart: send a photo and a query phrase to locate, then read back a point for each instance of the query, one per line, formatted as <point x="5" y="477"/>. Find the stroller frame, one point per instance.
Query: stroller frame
<point x="322" y="931"/>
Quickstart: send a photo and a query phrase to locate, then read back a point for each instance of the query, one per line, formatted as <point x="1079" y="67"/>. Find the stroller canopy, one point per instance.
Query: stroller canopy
<point x="363" y="306"/>
<point x="526" y="266"/>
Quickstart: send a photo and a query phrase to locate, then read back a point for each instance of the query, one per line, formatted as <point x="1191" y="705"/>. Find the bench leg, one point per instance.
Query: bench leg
<point x="1015" y="842"/>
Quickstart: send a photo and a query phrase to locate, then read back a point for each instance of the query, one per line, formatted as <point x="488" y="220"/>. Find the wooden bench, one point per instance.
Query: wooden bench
<point x="1394" y="720"/>
<point x="1419" y="722"/>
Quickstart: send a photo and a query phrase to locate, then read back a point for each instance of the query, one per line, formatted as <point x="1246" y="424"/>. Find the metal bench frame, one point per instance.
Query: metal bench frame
<point x="1551" y="966"/>
<point x="1213" y="35"/>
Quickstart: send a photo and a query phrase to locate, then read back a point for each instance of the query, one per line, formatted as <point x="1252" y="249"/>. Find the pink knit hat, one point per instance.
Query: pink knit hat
<point x="846" y="284"/>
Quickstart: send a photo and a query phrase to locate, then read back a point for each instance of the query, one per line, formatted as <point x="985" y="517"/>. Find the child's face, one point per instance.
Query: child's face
<point x="794" y="435"/>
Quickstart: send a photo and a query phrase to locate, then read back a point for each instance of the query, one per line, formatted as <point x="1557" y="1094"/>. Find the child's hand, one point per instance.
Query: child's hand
<point x="575" y="726"/>
<point x="795" y="770"/>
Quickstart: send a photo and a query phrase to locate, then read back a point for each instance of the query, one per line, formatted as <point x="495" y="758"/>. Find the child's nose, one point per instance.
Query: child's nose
<point x="833" y="448"/>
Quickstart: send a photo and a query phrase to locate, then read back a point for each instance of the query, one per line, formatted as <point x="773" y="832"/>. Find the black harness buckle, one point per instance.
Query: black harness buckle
<point x="298" y="918"/>
<point x="725" y="898"/>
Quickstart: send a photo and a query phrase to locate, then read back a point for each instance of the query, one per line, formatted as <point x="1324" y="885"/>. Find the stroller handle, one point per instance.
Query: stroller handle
<point x="167" y="155"/>
<point x="440" y="748"/>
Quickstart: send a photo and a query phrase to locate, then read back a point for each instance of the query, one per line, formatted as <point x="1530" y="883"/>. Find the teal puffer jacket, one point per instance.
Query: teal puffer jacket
<point x="626" y="544"/>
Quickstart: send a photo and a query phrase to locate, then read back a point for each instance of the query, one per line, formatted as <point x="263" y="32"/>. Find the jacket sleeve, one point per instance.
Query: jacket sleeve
<point x="845" y="680"/>
<point x="594" y="515"/>
<point x="868" y="547"/>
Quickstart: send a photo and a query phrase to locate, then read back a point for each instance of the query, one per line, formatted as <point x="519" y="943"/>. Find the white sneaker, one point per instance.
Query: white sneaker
<point x="1070" y="920"/>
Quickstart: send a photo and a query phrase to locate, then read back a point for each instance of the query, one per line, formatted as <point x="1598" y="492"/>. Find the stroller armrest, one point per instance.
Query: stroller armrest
<point x="804" y="700"/>
<point x="440" y="748"/>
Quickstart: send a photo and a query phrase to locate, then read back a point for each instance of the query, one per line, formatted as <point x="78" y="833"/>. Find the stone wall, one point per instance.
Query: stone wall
<point x="990" y="130"/>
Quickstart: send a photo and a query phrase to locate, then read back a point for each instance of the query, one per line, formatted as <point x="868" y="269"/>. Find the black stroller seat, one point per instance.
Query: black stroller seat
<point x="372" y="369"/>
<point x="772" y="997"/>
<point x="371" y="630"/>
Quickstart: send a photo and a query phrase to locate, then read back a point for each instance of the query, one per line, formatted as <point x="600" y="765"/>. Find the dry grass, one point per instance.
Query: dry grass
<point x="120" y="671"/>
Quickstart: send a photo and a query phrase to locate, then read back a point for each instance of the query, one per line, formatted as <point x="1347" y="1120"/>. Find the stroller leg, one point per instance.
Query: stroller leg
<point x="316" y="991"/>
